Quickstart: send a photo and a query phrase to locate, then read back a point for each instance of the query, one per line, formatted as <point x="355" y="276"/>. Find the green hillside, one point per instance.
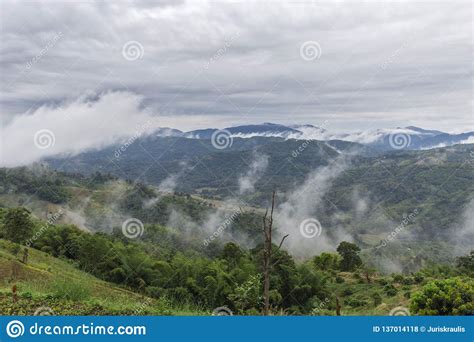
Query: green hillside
<point x="71" y="272"/>
<point x="49" y="283"/>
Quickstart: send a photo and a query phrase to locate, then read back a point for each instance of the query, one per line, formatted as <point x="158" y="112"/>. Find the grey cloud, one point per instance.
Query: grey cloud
<point x="382" y="63"/>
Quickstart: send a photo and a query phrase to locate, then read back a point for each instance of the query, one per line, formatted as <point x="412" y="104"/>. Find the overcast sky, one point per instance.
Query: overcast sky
<point x="355" y="65"/>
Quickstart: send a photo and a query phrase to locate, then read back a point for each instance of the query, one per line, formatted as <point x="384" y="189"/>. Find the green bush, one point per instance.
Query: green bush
<point x="418" y="278"/>
<point x="347" y="292"/>
<point x="454" y="296"/>
<point x="398" y="278"/>
<point x="390" y="290"/>
<point x="377" y="298"/>
<point x="355" y="302"/>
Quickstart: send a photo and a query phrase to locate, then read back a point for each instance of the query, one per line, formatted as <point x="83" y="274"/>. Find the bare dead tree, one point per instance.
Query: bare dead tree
<point x="267" y="254"/>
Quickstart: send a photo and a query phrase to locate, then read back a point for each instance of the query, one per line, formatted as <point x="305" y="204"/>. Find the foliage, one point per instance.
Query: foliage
<point x="466" y="264"/>
<point x="249" y="295"/>
<point x="349" y="253"/>
<point x="453" y="296"/>
<point x="17" y="225"/>
<point x="377" y="298"/>
<point x="327" y="261"/>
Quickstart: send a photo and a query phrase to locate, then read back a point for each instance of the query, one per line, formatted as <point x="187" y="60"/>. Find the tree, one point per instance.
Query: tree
<point x="18" y="226"/>
<point x="349" y="253"/>
<point x="466" y="263"/>
<point x="248" y="295"/>
<point x="327" y="261"/>
<point x="232" y="253"/>
<point x="267" y="255"/>
<point x="452" y="296"/>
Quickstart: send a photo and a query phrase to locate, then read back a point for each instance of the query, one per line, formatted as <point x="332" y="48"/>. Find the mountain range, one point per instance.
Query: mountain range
<point x="410" y="137"/>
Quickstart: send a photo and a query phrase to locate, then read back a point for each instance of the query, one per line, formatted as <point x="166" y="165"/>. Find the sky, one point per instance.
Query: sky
<point x="92" y="72"/>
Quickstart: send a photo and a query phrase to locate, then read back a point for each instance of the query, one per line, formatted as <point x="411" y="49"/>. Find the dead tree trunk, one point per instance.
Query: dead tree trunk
<point x="267" y="255"/>
<point x="14" y="294"/>
<point x="338" y="307"/>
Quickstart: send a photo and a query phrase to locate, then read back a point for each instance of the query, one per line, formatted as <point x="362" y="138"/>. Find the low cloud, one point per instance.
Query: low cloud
<point x="255" y="172"/>
<point x="464" y="236"/>
<point x="297" y="216"/>
<point x="69" y="128"/>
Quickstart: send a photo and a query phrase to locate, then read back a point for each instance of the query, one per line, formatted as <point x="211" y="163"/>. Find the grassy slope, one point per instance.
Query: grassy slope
<point x="54" y="283"/>
<point x="363" y="291"/>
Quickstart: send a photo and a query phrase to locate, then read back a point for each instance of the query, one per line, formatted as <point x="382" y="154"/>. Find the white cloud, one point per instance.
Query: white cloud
<point x="75" y="126"/>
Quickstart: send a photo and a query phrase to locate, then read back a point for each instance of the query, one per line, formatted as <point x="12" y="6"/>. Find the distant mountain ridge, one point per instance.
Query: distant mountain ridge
<point x="410" y="137"/>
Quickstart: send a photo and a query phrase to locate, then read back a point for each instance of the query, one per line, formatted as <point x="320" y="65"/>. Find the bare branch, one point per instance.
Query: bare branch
<point x="283" y="239"/>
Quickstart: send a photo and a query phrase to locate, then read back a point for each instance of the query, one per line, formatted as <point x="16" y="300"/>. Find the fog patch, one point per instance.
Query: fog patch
<point x="257" y="169"/>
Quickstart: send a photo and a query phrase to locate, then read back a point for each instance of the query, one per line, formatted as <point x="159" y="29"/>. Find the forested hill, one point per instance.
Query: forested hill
<point x="404" y="214"/>
<point x="439" y="182"/>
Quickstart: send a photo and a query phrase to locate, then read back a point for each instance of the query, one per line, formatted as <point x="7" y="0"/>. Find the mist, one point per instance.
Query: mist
<point x="255" y="172"/>
<point x="297" y="216"/>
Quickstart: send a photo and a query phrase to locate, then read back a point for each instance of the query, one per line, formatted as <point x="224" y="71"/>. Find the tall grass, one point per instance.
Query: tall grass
<point x="70" y="290"/>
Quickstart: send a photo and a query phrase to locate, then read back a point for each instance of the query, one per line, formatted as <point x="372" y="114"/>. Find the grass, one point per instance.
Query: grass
<point x="356" y="290"/>
<point x="50" y="282"/>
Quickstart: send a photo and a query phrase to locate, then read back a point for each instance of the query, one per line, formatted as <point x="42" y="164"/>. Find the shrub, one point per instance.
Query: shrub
<point x="355" y="302"/>
<point x="454" y="296"/>
<point x="154" y="291"/>
<point x="377" y="298"/>
<point x="347" y="292"/>
<point x="390" y="290"/>
<point x="398" y="278"/>
<point x="418" y="278"/>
